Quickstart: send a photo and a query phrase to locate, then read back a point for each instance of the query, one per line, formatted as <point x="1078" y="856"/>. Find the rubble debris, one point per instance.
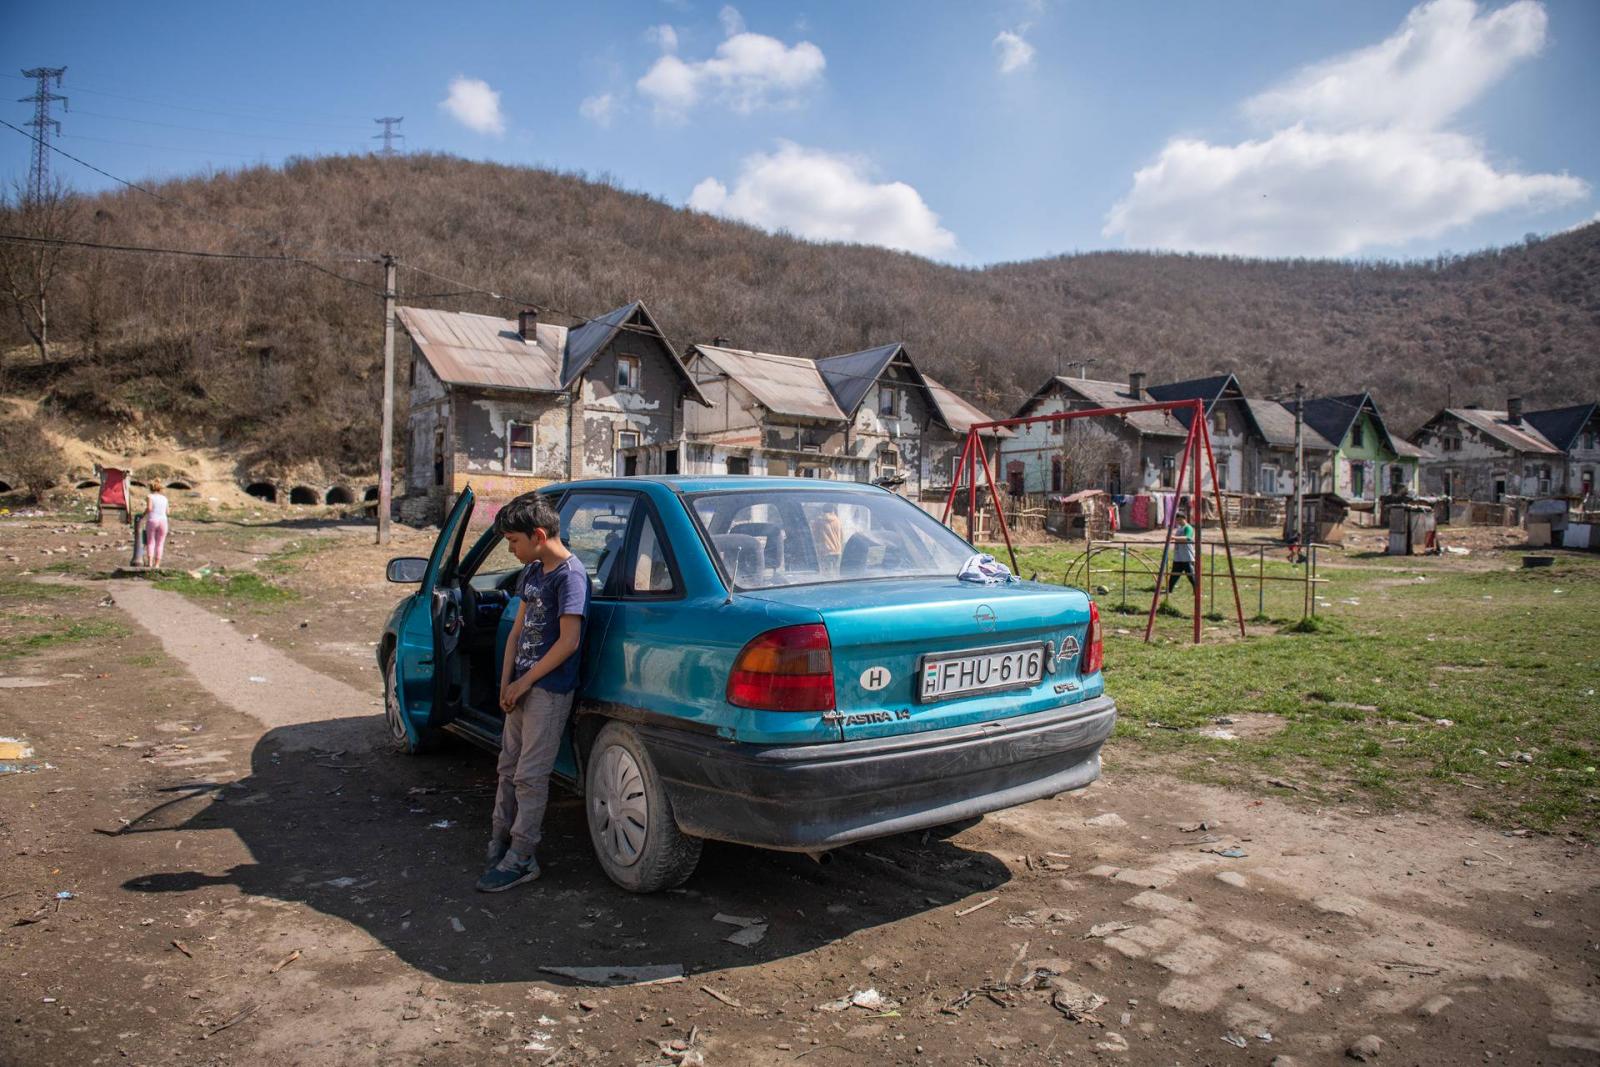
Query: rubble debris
<point x="976" y="907"/>
<point x="1107" y="929"/>
<point x="281" y="964"/>
<point x="1365" y="1049"/>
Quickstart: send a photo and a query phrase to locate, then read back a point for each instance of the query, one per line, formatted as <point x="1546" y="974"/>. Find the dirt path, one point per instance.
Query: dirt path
<point x="249" y="676"/>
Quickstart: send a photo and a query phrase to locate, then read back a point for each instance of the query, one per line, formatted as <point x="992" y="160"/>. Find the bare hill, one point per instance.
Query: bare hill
<point x="280" y="364"/>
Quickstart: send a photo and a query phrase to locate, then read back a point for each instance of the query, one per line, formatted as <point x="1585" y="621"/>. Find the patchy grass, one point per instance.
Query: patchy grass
<point x="293" y="556"/>
<point x="1480" y="685"/>
<point x="247" y="586"/>
<point x="16" y="645"/>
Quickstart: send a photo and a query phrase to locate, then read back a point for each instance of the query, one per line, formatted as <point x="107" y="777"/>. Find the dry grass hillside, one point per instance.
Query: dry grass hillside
<point x="278" y="365"/>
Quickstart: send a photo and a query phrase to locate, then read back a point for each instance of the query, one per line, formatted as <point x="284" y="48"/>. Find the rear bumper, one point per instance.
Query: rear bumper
<point x="819" y="796"/>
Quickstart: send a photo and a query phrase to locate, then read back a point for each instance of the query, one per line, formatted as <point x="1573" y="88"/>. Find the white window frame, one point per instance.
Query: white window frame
<point x="633" y="378"/>
<point x="617" y="458"/>
<point x="889" y="459"/>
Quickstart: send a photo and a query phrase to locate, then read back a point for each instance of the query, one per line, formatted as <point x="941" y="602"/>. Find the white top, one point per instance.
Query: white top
<point x="158" y="507"/>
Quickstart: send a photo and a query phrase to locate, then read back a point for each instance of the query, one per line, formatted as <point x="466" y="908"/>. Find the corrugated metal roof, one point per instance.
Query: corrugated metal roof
<point x="788" y="385"/>
<point x="1113" y="395"/>
<point x="1405" y="448"/>
<point x="958" y="414"/>
<point x="850" y="376"/>
<point x="467" y="349"/>
<point x="1561" y="426"/>
<point x="1277" y="425"/>
<point x="1523" y="437"/>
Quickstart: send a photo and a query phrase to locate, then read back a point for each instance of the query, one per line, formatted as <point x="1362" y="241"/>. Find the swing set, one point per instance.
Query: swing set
<point x="974" y="455"/>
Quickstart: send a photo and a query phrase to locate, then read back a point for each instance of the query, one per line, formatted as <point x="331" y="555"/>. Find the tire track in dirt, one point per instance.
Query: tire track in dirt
<point x="252" y="677"/>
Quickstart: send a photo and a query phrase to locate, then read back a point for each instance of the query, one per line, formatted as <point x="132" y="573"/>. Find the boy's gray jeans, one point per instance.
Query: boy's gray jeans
<point x="528" y="747"/>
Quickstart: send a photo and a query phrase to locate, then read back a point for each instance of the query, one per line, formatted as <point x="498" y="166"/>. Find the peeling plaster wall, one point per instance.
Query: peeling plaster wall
<point x="1037" y="444"/>
<point x="733" y="406"/>
<point x="872" y="432"/>
<point x="427" y="410"/>
<point x="1481" y="463"/>
<point x="654" y="411"/>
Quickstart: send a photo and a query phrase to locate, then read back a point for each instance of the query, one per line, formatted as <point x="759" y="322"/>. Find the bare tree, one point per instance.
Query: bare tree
<point x="1089" y="453"/>
<point x="29" y="267"/>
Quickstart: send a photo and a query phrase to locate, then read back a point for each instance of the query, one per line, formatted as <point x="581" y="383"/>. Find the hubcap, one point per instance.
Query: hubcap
<point x="618" y="809"/>
<point x="391" y="700"/>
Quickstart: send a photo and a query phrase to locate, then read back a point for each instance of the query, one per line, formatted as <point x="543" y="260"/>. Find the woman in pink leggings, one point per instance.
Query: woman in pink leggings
<point x="155" y="525"/>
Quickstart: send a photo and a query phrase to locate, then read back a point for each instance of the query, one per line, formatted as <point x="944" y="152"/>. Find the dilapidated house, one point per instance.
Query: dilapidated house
<point x="509" y="405"/>
<point x="1126" y="453"/>
<point x="1275" y="456"/>
<point x="1368" y="461"/>
<point x="1490" y="455"/>
<point x="865" y="416"/>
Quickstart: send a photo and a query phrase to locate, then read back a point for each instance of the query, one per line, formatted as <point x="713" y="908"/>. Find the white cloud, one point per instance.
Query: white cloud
<point x="1308" y="192"/>
<point x="663" y="37"/>
<point x="1012" y="52"/>
<point x="476" y="106"/>
<point x="749" y="71"/>
<point x="825" y="197"/>
<point x="600" y="109"/>
<point x="1444" y="56"/>
<point x="1358" y="157"/>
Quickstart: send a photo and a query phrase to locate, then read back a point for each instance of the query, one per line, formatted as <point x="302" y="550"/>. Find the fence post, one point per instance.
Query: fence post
<point x="1124" y="574"/>
<point x="1261" y="580"/>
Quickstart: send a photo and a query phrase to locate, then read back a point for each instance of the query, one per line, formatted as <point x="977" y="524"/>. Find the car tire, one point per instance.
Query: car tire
<point x="426" y="740"/>
<point x="635" y="837"/>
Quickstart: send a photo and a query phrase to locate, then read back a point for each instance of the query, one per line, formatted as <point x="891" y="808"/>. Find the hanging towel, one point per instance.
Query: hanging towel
<point x="1141" y="513"/>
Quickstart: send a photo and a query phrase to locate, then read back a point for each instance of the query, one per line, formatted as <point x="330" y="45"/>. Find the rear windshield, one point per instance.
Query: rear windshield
<point x="774" y="537"/>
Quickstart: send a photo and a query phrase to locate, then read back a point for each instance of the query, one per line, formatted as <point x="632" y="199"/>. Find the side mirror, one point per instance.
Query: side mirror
<point x="407" y="570"/>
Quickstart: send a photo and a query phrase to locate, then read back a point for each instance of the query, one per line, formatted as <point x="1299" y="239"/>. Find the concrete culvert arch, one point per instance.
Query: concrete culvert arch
<point x="87" y="483"/>
<point x="304" y="494"/>
<point x="5" y="486"/>
<point x="179" y="485"/>
<point x="339" y="494"/>
<point x="263" y="490"/>
<point x="371" y="493"/>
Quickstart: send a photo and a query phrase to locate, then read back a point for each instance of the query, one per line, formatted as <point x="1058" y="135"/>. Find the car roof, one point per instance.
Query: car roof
<point x="705" y="483"/>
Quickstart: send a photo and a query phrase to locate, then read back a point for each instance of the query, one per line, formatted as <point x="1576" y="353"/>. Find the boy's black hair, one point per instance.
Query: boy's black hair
<point x="527" y="513"/>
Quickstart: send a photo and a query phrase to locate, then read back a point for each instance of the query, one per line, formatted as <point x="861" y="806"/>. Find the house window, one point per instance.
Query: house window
<point x="519" y="447"/>
<point x="777" y="468"/>
<point x="1219" y="422"/>
<point x="1397" y="478"/>
<point x="1544" y="478"/>
<point x="1169" y="471"/>
<point x="628" y="374"/>
<point x="1269" y="481"/>
<point x="669" y="462"/>
<point x="807" y="472"/>
<point x="1058" y="427"/>
<point x="887" y="404"/>
<point x="1358" y="480"/>
<point x="1055" y="474"/>
<point x="811" y="448"/>
<point x="1449" y="444"/>
<point x="889" y="459"/>
<point x="438" y="455"/>
<point x="738" y="464"/>
<point x="1357" y="434"/>
<point x="624" y="463"/>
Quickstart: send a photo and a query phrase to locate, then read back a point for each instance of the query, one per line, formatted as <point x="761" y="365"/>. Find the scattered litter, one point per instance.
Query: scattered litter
<point x="976" y="907"/>
<point x="181" y="947"/>
<point x="649" y="974"/>
<point x="1235" y="1040"/>
<point x="341" y="883"/>
<point x="14" y="748"/>
<point x="456" y="925"/>
<point x="750" y="931"/>
<point x="1281" y="784"/>
<point x="1192" y="827"/>
<point x="257" y="679"/>
<point x="281" y="964"/>
<point x="1076" y="1002"/>
<point x="1265" y="1037"/>
<point x="1227" y="853"/>
<point x="1444" y="722"/>
<point x="869" y="999"/>
<point x="442" y="824"/>
<point x="736" y="920"/>
<point x="1107" y="929"/>
<point x="66" y="895"/>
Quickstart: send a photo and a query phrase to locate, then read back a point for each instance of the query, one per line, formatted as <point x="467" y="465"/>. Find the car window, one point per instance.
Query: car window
<point x="790" y="537"/>
<point x="650" y="573"/>
<point x="593" y="526"/>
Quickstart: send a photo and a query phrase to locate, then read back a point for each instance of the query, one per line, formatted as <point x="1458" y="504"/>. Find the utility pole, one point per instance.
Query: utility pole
<point x="43" y="125"/>
<point x="1299" y="464"/>
<point x="386" y="459"/>
<point x="388" y="136"/>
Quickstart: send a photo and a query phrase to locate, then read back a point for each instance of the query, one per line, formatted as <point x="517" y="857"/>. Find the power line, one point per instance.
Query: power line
<point x="43" y="125"/>
<point x="296" y="261"/>
<point x="263" y="115"/>
<point x="204" y="129"/>
<point x="388" y="136"/>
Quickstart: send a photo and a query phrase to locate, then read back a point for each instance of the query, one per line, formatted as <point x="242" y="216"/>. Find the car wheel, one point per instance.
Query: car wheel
<point x="394" y="717"/>
<point x="635" y="836"/>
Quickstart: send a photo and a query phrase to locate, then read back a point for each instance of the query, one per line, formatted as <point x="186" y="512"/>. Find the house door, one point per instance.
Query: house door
<point x="1499" y="490"/>
<point x="1235" y="475"/>
<point x="621" y="464"/>
<point x="1015" y="478"/>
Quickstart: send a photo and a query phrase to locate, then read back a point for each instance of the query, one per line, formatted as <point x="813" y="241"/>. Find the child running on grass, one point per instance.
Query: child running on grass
<point x="538" y="680"/>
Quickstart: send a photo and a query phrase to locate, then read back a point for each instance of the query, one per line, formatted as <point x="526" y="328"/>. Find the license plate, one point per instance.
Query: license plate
<point x="950" y="674"/>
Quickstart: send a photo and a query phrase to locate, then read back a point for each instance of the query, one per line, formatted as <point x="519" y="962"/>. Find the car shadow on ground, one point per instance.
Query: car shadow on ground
<point x="392" y="845"/>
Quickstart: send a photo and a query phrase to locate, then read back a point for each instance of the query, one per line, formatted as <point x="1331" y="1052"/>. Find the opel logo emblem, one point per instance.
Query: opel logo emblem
<point x="984" y="617"/>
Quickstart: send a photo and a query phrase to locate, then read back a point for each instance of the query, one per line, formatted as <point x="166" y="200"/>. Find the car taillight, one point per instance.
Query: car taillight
<point x="1094" y="654"/>
<point x="790" y="669"/>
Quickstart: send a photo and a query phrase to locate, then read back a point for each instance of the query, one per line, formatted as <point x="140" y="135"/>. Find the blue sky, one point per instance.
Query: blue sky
<point x="971" y="133"/>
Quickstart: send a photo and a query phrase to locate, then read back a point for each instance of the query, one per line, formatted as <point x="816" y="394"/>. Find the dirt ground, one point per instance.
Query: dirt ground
<point x="254" y="876"/>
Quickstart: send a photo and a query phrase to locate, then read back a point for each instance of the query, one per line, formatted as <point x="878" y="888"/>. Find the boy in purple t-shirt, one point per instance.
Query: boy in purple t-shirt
<point x="538" y="679"/>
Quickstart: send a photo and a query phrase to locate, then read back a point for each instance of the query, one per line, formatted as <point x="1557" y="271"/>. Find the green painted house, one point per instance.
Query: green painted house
<point x="1367" y="462"/>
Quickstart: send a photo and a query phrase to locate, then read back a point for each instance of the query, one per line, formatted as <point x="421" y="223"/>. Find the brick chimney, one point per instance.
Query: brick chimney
<point x="719" y="342"/>
<point x="1136" y="384"/>
<point x="528" y="323"/>
<point x="1514" y="410"/>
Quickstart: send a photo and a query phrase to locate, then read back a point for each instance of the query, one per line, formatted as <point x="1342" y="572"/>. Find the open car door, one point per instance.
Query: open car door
<point x="430" y="678"/>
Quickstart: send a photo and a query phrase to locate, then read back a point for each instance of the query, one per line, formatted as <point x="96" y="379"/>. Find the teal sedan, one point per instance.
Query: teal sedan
<point x="776" y="662"/>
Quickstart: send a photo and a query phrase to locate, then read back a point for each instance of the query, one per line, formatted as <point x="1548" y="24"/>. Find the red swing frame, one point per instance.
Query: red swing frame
<point x="973" y="453"/>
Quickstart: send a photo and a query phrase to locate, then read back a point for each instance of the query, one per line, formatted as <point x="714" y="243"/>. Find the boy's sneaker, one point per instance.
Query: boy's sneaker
<point x="511" y="871"/>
